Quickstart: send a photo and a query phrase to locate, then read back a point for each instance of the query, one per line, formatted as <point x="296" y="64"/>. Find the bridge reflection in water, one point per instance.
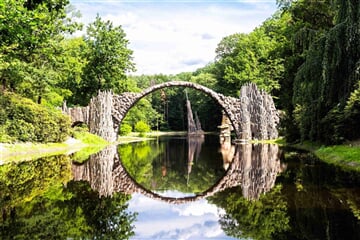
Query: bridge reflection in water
<point x="253" y="167"/>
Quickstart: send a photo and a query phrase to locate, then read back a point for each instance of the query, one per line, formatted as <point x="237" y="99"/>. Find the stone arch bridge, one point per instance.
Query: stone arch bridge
<point x="253" y="115"/>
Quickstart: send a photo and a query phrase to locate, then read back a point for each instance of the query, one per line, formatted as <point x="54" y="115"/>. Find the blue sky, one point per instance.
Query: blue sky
<point x="175" y="36"/>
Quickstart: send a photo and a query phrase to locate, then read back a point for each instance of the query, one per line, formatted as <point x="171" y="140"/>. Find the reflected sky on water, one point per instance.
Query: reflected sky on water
<point x="161" y="220"/>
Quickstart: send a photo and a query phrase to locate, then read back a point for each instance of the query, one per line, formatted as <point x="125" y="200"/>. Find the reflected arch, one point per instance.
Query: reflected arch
<point x="106" y="174"/>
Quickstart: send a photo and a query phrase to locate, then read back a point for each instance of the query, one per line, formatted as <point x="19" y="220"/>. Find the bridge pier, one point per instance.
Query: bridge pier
<point x="101" y="121"/>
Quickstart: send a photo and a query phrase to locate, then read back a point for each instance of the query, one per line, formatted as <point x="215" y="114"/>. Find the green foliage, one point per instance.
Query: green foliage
<point x="153" y="165"/>
<point x="70" y="65"/>
<point x="137" y="161"/>
<point x="352" y="113"/>
<point x="29" y="44"/>
<point x="258" y="219"/>
<point x="108" y="59"/>
<point x="243" y="58"/>
<point x="142" y="111"/>
<point x="346" y="156"/>
<point x="40" y="202"/>
<point x="94" y="143"/>
<point x="20" y="130"/>
<point x="323" y="73"/>
<point x="83" y="135"/>
<point x="20" y="183"/>
<point x="125" y="129"/>
<point x="27" y="121"/>
<point x="142" y="128"/>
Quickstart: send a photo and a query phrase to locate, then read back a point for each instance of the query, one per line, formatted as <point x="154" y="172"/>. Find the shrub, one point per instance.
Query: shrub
<point x="125" y="129"/>
<point x="21" y="130"/>
<point x="4" y="137"/>
<point x="28" y="121"/>
<point x="142" y="127"/>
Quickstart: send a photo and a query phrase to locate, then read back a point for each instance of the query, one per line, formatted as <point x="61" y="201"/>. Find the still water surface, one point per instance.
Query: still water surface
<point x="180" y="188"/>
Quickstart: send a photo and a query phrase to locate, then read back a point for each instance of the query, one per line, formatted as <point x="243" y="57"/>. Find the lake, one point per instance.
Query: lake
<point x="179" y="187"/>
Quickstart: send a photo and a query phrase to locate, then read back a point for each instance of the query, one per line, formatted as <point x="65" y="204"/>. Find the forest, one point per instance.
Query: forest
<point x="307" y="56"/>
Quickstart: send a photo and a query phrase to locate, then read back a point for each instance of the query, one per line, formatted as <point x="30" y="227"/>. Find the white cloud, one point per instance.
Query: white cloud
<point x="196" y="231"/>
<point x="156" y="219"/>
<point x="171" y="37"/>
<point x="198" y="208"/>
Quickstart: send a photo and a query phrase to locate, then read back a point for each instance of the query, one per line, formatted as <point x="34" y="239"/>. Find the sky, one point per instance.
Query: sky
<point x="160" y="220"/>
<point x="171" y="37"/>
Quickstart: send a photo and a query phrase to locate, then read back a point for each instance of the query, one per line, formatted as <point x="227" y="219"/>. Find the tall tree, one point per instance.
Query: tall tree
<point x="242" y="58"/>
<point x="324" y="82"/>
<point x="108" y="59"/>
<point x="29" y="35"/>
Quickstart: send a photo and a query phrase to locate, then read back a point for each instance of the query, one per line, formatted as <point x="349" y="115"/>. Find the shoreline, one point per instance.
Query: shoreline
<point x="19" y="152"/>
<point x="346" y="155"/>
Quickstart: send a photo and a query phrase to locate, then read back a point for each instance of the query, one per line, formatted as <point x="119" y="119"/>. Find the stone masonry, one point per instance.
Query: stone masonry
<point x="253" y="115"/>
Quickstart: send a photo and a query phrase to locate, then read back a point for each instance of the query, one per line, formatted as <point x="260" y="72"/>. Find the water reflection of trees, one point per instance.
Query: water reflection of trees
<point x="173" y="164"/>
<point x="39" y="201"/>
<point x="255" y="219"/>
<point x="253" y="167"/>
<point x="311" y="200"/>
<point x="323" y="200"/>
<point x="254" y="207"/>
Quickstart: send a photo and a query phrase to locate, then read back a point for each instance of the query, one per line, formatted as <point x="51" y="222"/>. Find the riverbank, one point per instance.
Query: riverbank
<point x="83" y="145"/>
<point x="16" y="152"/>
<point x="346" y="155"/>
<point x="28" y="151"/>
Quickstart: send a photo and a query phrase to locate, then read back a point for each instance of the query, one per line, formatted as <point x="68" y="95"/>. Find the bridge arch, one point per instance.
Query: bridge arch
<point x="124" y="102"/>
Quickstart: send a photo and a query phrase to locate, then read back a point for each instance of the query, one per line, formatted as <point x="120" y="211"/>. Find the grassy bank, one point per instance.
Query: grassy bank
<point x="83" y="144"/>
<point x="346" y="155"/>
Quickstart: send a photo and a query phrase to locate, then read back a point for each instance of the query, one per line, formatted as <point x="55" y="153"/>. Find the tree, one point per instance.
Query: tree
<point x="71" y="65"/>
<point x="328" y="75"/>
<point x="142" y="111"/>
<point x="29" y="35"/>
<point x="242" y="58"/>
<point x="108" y="59"/>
